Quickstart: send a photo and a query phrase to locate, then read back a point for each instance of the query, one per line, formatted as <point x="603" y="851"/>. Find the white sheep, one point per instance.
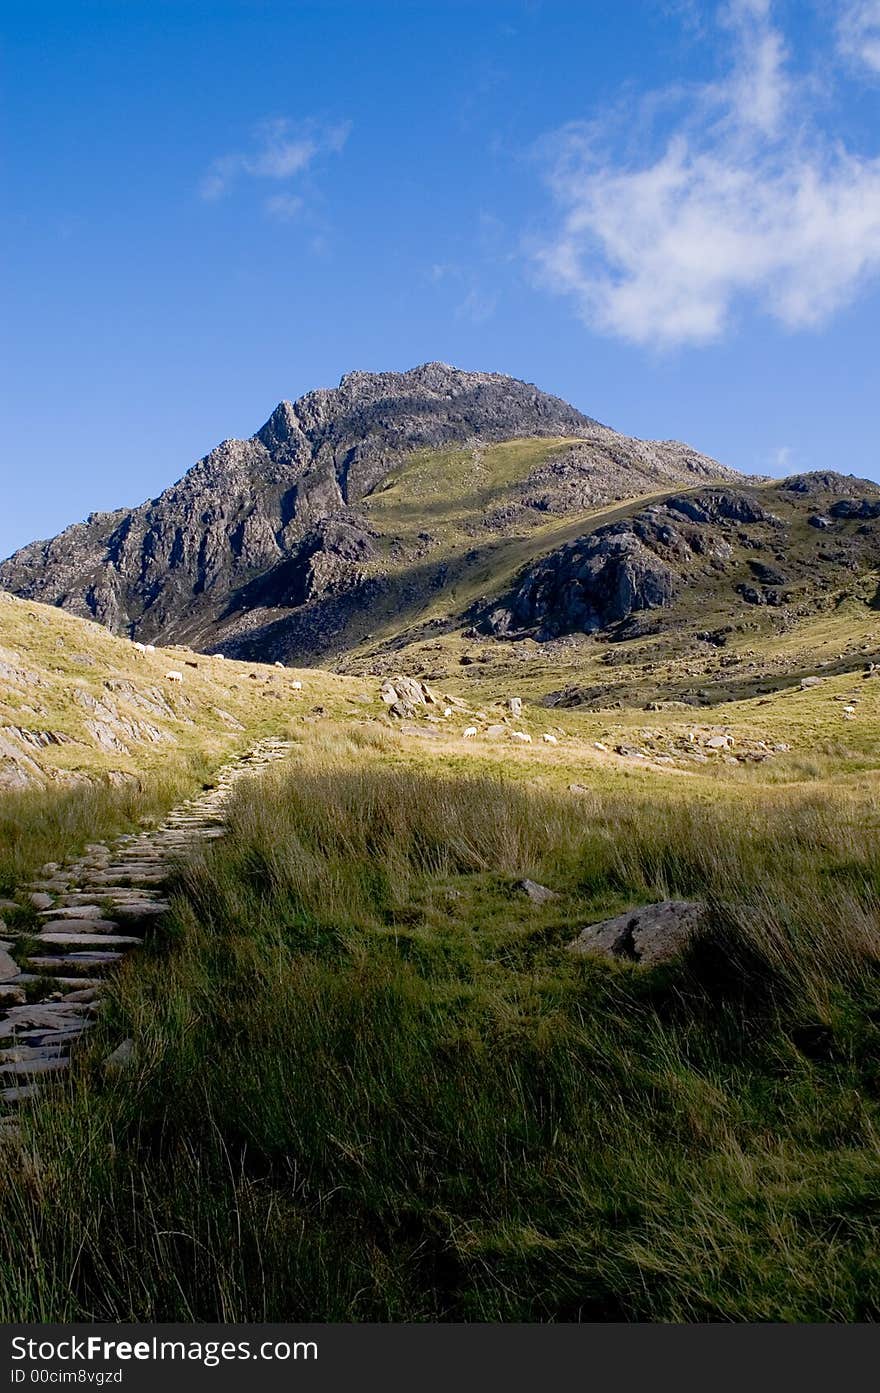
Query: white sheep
<point x="277" y="664"/>
<point x="149" y="647"/>
<point x="172" y="675"/>
<point x="521" y="736"/>
<point x="549" y="739"/>
<point x="297" y="686"/>
<point x="470" y="733"/>
<point x="139" y="646"/>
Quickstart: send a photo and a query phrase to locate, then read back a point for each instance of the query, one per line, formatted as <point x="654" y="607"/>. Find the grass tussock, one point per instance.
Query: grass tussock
<point x="369" y="1083"/>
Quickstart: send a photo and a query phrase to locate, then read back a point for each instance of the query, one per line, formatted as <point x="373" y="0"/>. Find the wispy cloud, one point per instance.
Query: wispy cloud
<point x="780" y="460"/>
<point x="858" y="30"/>
<point x="281" y="151"/>
<point x="744" y="200"/>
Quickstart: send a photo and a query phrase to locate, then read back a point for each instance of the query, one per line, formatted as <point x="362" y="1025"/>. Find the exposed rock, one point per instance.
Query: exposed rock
<point x="121" y="1057"/>
<point x="406" y="696"/>
<point x="828" y="481"/>
<point x="538" y="894"/>
<point x="9" y="969"/>
<point x="856" y="508"/>
<point x="608" y="466"/>
<point x="281" y="506"/>
<point x="649" y="934"/>
<point x="586" y="585"/>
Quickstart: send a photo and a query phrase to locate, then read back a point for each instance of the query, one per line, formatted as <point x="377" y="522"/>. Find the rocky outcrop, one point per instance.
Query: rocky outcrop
<point x="828" y="481"/>
<point x="637" y="564"/>
<point x="649" y="934"/>
<point x="609" y="467"/>
<point x="862" y="508"/>
<point x="587" y="585"/>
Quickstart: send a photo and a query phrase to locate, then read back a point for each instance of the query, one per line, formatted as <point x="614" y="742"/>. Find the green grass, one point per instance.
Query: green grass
<point x="369" y="1083"/>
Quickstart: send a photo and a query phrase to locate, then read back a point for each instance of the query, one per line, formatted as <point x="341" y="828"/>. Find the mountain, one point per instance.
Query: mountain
<point x="348" y="505"/>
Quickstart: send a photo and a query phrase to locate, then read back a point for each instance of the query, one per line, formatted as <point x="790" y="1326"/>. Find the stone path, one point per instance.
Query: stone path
<point x="91" y="912"/>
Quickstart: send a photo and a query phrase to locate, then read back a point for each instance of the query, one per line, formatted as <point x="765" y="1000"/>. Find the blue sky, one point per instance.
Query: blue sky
<point x="666" y="212"/>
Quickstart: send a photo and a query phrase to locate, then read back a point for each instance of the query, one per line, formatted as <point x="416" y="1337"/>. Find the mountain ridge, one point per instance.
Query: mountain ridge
<point x="291" y="496"/>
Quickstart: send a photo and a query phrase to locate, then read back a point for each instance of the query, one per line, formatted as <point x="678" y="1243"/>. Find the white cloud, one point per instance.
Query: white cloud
<point x="281" y="150"/>
<point x="858" y="32"/>
<point x="744" y="201"/>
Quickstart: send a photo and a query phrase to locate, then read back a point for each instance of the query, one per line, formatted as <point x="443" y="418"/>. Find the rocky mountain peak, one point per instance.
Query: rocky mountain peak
<point x="277" y="520"/>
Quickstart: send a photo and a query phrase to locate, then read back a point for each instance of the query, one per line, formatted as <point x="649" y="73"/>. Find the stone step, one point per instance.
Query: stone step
<point x="38" y="1039"/>
<point x="140" y="909"/>
<point x="111" y="893"/>
<point x="86" y="994"/>
<point x="30" y="1024"/>
<point x="122" y="879"/>
<point x="75" y="926"/>
<point x="80" y="911"/>
<point x="98" y="941"/>
<point x="77" y="983"/>
<point x="73" y="962"/>
<point x="21" y="1053"/>
<point x="32" y="1068"/>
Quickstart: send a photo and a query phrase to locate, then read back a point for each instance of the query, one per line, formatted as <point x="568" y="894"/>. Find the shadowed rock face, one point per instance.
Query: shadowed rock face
<point x="252" y="504"/>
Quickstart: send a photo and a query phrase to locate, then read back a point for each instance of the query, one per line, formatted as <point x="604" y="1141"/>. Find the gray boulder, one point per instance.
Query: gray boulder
<point x="121" y="1057"/>
<point x="538" y="894"/>
<point x="647" y="934"/>
<point x="9" y="969"/>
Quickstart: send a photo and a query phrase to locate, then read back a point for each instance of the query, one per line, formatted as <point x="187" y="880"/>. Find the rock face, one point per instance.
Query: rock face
<point x="264" y="548"/>
<point x="649" y="934"/>
<point x="635" y="564"/>
<point x="274" y="505"/>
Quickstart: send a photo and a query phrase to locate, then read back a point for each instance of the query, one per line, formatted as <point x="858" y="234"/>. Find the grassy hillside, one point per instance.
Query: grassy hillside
<point x="369" y="1083"/>
<point x="94" y="737"/>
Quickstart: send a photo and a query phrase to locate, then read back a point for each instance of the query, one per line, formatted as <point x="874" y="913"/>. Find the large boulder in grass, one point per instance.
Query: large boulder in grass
<point x="404" y="696"/>
<point x="648" y="934"/>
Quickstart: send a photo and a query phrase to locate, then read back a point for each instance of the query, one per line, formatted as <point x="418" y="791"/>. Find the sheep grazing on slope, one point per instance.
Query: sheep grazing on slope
<point x="521" y="736"/>
<point x="173" y="676"/>
<point x="470" y="733"/>
<point x="549" y="739"/>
